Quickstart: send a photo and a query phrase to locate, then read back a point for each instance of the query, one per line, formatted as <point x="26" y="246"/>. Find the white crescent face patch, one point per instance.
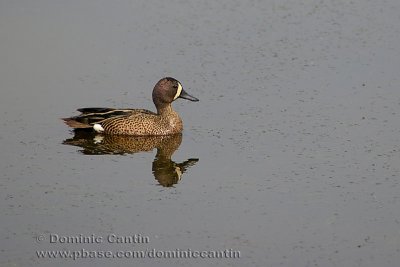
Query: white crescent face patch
<point x="178" y="91"/>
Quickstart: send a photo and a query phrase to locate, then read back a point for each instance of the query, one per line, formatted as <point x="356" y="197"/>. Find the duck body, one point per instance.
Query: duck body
<point x="139" y="122"/>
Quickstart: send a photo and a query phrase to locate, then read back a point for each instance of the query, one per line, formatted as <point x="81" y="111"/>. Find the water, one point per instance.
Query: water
<point x="290" y="157"/>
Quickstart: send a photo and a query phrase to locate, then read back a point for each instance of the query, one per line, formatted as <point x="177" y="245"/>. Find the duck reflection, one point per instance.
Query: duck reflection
<point x="165" y="170"/>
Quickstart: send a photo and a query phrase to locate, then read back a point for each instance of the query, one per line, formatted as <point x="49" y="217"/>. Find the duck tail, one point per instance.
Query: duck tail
<point x="71" y="122"/>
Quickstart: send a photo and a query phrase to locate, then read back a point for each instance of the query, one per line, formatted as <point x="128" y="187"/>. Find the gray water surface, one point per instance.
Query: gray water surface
<point x="291" y="157"/>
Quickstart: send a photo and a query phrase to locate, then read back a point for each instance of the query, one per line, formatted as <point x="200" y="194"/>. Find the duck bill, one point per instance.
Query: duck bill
<point x="185" y="95"/>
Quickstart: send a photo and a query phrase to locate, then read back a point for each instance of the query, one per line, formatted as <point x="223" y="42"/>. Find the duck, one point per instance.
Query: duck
<point x="137" y="122"/>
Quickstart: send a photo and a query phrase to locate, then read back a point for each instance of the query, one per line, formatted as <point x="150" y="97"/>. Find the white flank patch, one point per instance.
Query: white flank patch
<point x="98" y="128"/>
<point x="178" y="91"/>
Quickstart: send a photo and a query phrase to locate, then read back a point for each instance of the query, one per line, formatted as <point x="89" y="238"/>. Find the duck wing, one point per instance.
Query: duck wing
<point x="90" y="116"/>
<point x="95" y="110"/>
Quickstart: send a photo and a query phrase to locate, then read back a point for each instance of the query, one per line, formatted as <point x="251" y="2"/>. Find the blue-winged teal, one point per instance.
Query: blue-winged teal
<point x="137" y="121"/>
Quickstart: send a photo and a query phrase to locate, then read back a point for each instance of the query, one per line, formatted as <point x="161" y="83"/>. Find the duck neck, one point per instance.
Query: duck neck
<point x="164" y="109"/>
